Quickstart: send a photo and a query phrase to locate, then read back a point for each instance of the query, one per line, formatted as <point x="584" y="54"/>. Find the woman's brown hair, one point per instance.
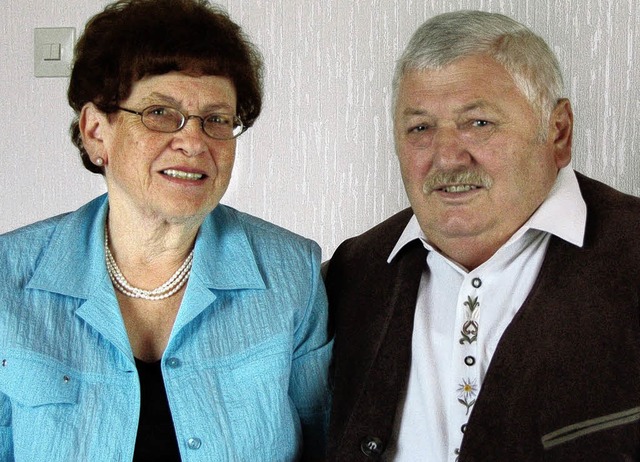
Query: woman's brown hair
<point x="133" y="39"/>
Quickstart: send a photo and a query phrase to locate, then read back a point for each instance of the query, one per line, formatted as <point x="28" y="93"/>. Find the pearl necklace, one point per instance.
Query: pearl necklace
<point x="166" y="290"/>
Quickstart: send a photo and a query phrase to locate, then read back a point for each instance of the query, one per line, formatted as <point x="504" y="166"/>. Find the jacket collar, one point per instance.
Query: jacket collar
<point x="224" y="258"/>
<point x="74" y="265"/>
<point x="74" y="262"/>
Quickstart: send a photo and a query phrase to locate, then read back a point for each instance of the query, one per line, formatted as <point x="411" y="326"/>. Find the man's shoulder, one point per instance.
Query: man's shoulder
<point x="600" y="195"/>
<point x="608" y="208"/>
<point x="380" y="239"/>
<point x="611" y="234"/>
<point x="370" y="249"/>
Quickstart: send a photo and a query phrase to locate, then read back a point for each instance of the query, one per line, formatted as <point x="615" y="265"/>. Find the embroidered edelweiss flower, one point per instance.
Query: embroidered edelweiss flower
<point x="467" y="392"/>
<point x="467" y="389"/>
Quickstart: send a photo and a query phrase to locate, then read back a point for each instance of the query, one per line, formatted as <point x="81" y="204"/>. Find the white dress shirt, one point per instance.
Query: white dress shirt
<point x="459" y="319"/>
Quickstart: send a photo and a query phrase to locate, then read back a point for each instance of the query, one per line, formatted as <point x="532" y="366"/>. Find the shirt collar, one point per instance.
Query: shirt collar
<point x="411" y="232"/>
<point x="564" y="201"/>
<point x="564" y="212"/>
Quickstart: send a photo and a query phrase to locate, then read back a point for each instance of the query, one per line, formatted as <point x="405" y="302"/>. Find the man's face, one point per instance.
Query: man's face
<point x="472" y="157"/>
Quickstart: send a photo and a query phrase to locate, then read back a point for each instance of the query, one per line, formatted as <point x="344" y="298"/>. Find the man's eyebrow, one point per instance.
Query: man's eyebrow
<point x="415" y="112"/>
<point x="465" y="108"/>
<point x="480" y="104"/>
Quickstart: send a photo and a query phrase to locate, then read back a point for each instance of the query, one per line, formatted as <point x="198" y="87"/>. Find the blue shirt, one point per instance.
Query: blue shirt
<point x="245" y="368"/>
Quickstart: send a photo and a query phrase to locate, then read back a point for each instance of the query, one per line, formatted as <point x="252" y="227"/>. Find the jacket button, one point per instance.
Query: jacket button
<point x="371" y="446"/>
<point x="173" y="363"/>
<point x="194" y="443"/>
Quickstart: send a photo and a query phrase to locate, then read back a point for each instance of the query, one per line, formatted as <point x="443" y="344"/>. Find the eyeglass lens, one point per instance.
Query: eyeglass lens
<point x="168" y="119"/>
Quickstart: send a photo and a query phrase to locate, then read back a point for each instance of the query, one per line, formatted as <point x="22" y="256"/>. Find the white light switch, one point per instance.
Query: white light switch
<point x="53" y="51"/>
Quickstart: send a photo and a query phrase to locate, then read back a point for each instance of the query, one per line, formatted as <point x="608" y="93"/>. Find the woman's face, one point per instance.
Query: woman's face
<point x="169" y="176"/>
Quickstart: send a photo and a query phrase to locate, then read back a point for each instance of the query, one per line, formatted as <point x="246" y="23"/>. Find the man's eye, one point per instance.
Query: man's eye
<point x="419" y="129"/>
<point x="480" y="123"/>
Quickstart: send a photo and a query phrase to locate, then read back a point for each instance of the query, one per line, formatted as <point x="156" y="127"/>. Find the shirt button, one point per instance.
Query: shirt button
<point x="469" y="360"/>
<point x="371" y="446"/>
<point x="476" y="282"/>
<point x="173" y="363"/>
<point x="194" y="443"/>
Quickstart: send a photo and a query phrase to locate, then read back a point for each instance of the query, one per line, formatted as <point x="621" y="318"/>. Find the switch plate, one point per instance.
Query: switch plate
<point x="53" y="51"/>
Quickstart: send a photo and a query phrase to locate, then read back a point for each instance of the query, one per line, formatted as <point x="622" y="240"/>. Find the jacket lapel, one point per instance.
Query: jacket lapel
<point x="223" y="260"/>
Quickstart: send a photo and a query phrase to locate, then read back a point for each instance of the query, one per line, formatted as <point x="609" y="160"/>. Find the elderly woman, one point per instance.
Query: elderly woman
<point x="154" y="323"/>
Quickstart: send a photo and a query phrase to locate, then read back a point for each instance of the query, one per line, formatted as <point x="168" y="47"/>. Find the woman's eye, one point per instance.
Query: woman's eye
<point x="219" y="119"/>
<point x="157" y="111"/>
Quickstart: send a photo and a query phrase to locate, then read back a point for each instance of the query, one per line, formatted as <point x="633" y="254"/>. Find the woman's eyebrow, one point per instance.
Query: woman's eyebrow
<point x="156" y="97"/>
<point x="217" y="107"/>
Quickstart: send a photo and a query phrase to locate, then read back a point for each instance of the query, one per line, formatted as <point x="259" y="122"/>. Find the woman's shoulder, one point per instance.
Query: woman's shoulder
<point x="259" y="229"/>
<point x="255" y="246"/>
<point x="27" y="243"/>
<point x="21" y="250"/>
<point x="28" y="237"/>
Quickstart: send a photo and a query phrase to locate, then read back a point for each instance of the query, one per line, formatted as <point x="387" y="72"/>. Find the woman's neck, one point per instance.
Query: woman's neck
<point x="148" y="251"/>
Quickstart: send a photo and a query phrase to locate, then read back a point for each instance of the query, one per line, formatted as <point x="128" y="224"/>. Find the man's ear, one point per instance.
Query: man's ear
<point x="561" y="132"/>
<point x="93" y="124"/>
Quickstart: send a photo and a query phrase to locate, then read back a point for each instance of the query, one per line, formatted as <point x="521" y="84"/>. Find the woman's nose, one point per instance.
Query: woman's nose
<point x="191" y="139"/>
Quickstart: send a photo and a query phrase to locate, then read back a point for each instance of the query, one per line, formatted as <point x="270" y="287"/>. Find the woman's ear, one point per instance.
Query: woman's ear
<point x="93" y="124"/>
<point x="562" y="132"/>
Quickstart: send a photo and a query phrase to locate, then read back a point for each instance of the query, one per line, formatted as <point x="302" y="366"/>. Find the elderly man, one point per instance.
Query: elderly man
<point x="498" y="319"/>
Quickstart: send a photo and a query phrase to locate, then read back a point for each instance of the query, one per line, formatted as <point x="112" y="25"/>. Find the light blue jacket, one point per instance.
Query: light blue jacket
<point x="245" y="368"/>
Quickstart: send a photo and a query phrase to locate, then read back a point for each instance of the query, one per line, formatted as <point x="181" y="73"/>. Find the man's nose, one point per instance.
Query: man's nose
<point x="449" y="147"/>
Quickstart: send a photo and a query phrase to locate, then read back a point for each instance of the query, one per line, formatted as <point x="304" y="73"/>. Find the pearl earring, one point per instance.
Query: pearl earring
<point x="99" y="161"/>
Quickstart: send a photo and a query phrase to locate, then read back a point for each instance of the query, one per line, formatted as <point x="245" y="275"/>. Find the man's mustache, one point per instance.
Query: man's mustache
<point x="438" y="180"/>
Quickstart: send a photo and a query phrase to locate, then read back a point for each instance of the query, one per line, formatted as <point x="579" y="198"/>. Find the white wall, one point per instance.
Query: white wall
<point x="320" y="159"/>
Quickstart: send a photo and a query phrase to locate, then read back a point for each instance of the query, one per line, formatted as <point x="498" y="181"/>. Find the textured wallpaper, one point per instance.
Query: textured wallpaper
<point x="320" y="160"/>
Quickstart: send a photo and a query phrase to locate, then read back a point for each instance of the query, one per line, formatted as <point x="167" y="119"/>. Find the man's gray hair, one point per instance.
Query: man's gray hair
<point x="526" y="56"/>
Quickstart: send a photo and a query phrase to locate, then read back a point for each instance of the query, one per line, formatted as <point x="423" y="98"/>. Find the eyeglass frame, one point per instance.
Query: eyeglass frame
<point x="185" y="119"/>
